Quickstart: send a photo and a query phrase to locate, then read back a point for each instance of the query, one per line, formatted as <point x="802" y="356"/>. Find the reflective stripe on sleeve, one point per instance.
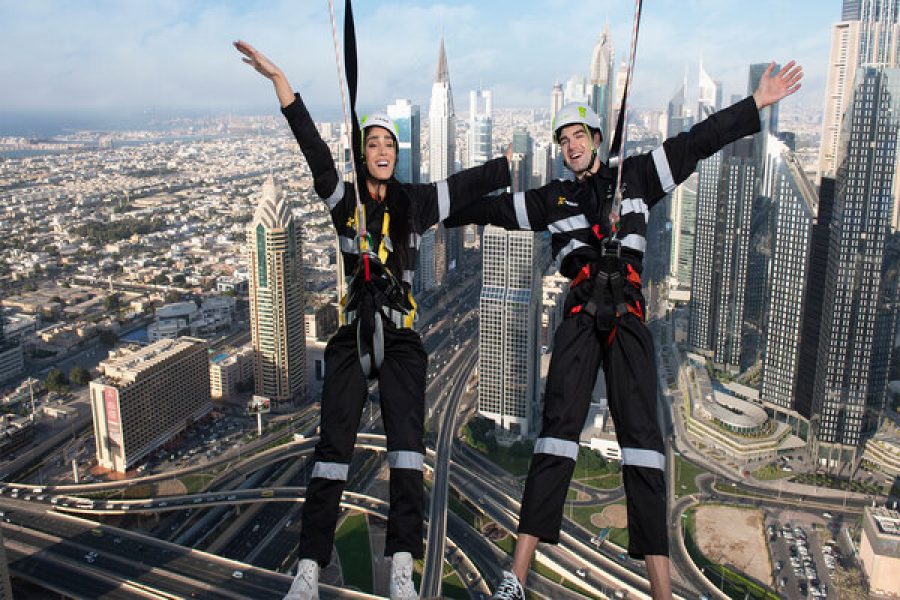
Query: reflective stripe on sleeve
<point x="635" y="242"/>
<point x="569" y="224"/>
<point x="521" y="211"/>
<point x="663" y="170"/>
<point x="336" y="195"/>
<point x="565" y="250"/>
<point x="635" y="205"/>
<point x="443" y="195"/>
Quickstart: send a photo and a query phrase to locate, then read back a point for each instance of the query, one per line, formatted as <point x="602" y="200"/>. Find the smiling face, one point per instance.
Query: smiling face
<point x="381" y="153"/>
<point x="577" y="147"/>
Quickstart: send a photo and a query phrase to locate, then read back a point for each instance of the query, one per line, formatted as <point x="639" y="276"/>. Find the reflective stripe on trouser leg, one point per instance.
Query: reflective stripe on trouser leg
<point x="631" y="387"/>
<point x="401" y="383"/>
<point x="342" y="401"/>
<point x="570" y="381"/>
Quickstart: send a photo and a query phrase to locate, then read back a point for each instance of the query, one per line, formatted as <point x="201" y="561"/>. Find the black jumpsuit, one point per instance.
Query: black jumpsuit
<point x="577" y="215"/>
<point x="413" y="208"/>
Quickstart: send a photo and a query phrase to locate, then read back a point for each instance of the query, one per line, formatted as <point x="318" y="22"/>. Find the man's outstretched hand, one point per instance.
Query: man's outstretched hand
<point x="773" y="88"/>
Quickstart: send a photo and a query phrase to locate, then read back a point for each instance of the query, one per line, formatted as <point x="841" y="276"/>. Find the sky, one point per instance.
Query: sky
<point x="172" y="55"/>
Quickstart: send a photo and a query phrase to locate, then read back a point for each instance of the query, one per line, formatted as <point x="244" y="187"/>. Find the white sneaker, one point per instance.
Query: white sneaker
<point x="509" y="588"/>
<point x="402" y="586"/>
<point x="306" y="584"/>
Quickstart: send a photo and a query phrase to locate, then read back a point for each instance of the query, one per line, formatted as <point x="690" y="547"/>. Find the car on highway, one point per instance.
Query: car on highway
<point x="237" y="574"/>
<point x="581" y="572"/>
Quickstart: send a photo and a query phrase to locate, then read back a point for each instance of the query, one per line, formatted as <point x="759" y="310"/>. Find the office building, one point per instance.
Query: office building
<point x="509" y="343"/>
<point x="794" y="205"/>
<point x="522" y="160"/>
<point x="879" y="550"/>
<point x="863" y="206"/>
<point x="442" y="161"/>
<point x="276" y="299"/>
<point x="229" y="373"/>
<point x="407" y="118"/>
<point x="146" y="397"/>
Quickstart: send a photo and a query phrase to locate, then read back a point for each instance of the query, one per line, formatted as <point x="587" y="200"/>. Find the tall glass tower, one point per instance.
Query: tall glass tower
<point x="860" y="224"/>
<point x="406" y="116"/>
<point x="276" y="299"/>
<point x="509" y="341"/>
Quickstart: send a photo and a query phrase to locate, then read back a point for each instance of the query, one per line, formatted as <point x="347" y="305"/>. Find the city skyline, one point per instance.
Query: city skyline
<point x="118" y="58"/>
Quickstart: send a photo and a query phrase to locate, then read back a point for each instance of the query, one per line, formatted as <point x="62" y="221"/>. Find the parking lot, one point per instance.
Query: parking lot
<point x="803" y="563"/>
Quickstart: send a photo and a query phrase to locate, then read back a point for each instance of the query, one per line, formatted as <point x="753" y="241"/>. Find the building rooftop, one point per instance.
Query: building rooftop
<point x="887" y="521"/>
<point x="126" y="367"/>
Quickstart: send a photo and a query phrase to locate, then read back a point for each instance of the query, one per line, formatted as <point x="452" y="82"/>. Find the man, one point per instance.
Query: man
<point x="601" y="250"/>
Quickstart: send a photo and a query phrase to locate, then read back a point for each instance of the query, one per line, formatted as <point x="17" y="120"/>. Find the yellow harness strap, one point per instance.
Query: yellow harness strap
<point x="385" y="247"/>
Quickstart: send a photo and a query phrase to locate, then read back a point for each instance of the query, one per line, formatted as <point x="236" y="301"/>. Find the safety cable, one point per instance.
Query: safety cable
<point x="361" y="225"/>
<point x="618" y="145"/>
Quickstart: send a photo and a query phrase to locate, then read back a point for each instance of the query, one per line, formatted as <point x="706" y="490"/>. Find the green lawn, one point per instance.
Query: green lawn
<point x="770" y="472"/>
<point x="619" y="537"/>
<point x="685" y="474"/>
<point x="352" y="542"/>
<point x="604" y="482"/>
<point x="196" y="483"/>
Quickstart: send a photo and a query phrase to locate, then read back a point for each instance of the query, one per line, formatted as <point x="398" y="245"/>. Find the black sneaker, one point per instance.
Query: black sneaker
<point x="509" y="589"/>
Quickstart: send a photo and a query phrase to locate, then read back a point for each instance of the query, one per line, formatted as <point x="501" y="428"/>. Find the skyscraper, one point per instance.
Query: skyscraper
<point x="602" y="78"/>
<point x="441" y="122"/>
<point x="862" y="212"/>
<point x="522" y="160"/>
<point x="794" y="205"/>
<point x="842" y="64"/>
<point x="406" y="117"/>
<point x="707" y="92"/>
<point x="678" y="118"/>
<point x="276" y="299"/>
<point x="424" y="280"/>
<point x="725" y="194"/>
<point x="878" y="33"/>
<point x="684" y="225"/>
<point x="557" y="99"/>
<point x="481" y="107"/>
<point x="442" y="159"/>
<point x="509" y="340"/>
<point x="769" y="115"/>
<point x="813" y="298"/>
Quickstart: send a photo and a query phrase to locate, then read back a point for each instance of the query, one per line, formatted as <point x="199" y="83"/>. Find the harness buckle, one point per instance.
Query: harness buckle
<point x="611" y="247"/>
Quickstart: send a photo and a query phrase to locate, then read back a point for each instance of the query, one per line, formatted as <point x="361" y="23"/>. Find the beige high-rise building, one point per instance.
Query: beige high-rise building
<point x="145" y="397"/>
<point x="879" y="550"/>
<point x="276" y="299"/>
<point x="842" y="64"/>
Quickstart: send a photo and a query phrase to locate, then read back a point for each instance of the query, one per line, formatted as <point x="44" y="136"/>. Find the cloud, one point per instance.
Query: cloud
<point x="174" y="54"/>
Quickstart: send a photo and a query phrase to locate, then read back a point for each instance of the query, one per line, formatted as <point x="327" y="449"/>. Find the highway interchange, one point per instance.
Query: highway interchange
<point x="55" y="538"/>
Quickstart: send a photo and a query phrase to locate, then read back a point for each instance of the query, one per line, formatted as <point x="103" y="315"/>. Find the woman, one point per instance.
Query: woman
<point x="376" y="339"/>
